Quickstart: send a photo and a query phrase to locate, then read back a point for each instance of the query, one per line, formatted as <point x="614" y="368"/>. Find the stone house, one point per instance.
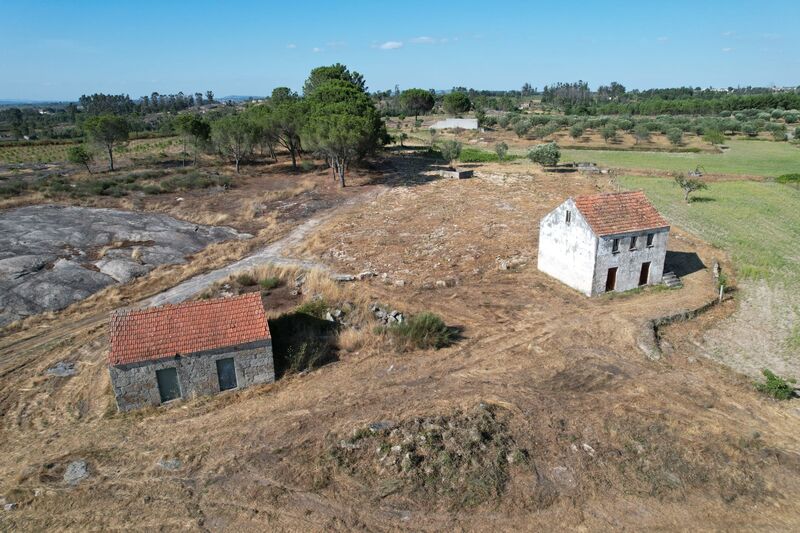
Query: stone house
<point x="190" y="349"/>
<point x="604" y="242"/>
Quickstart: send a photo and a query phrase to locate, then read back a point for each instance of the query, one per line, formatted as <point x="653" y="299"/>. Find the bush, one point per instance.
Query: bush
<point x="576" y="131"/>
<point x="775" y="386"/>
<point x="501" y="149"/>
<point x="609" y="133"/>
<point x="13" y="187"/>
<point x="246" y="279"/>
<point x="315" y="307"/>
<point x="425" y="330"/>
<point x="789" y="178"/>
<point x="791" y="118"/>
<point x="545" y="154"/>
<point x="269" y="283"/>
<point x="522" y="127"/>
<point x="675" y="136"/>
<point x="451" y="151"/>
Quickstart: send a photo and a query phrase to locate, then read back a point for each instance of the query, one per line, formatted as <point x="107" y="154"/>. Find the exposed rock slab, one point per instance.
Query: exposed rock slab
<point x="52" y="256"/>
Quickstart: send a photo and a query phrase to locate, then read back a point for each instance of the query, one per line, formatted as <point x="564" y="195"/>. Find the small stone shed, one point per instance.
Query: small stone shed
<point x="190" y="349"/>
<point x="604" y="242"/>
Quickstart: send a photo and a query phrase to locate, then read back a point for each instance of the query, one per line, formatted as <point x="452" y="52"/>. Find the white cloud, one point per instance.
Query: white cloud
<point x="336" y="44"/>
<point x="663" y="39"/>
<point x="291" y="45"/>
<point x="726" y="50"/>
<point x="728" y="33"/>
<point x="423" y="40"/>
<point x="391" y="45"/>
<point x="316" y="49"/>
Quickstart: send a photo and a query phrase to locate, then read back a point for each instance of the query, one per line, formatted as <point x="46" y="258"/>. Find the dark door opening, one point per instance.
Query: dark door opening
<point x="168" y="387"/>
<point x="611" y="279"/>
<point x="226" y="371"/>
<point x="644" y="275"/>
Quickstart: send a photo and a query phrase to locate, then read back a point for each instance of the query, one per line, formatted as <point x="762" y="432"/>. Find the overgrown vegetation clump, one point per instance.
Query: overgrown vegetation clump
<point x="425" y="330"/>
<point x="464" y="457"/>
<point x="776" y="386"/>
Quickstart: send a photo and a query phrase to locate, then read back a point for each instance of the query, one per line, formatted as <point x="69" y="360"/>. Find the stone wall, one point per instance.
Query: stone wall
<point x="629" y="262"/>
<point x="135" y="385"/>
<point x="567" y="249"/>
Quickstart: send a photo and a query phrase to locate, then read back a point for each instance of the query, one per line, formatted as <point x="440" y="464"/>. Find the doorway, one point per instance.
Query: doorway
<point x="168" y="387"/>
<point x="644" y="275"/>
<point x="226" y="372"/>
<point x="611" y="279"/>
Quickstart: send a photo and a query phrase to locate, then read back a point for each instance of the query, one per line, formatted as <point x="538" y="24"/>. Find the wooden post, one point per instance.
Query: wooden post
<point x="721" y="289"/>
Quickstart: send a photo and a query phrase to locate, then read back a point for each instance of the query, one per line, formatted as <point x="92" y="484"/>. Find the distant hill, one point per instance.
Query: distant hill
<point x="237" y="98"/>
<point x="12" y="101"/>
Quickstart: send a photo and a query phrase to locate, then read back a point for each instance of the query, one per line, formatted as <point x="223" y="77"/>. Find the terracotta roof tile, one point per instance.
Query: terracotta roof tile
<point x="619" y="212"/>
<point x="158" y="332"/>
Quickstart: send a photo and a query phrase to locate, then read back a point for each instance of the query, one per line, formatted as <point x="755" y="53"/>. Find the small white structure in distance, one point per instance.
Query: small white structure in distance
<point x="452" y="123"/>
<point x="604" y="242"/>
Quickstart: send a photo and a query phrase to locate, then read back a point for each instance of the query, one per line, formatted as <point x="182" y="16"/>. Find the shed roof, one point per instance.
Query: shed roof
<point x="619" y="212"/>
<point x="159" y="332"/>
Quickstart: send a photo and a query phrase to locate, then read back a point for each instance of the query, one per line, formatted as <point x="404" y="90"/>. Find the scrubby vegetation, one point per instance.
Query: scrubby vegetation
<point x="424" y="330"/>
<point x="776" y="386"/>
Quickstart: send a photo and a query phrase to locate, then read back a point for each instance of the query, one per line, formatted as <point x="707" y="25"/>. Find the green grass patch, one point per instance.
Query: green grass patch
<point x="757" y="159"/>
<point x="473" y="155"/>
<point x="269" y="283"/>
<point x="425" y="330"/>
<point x="757" y="222"/>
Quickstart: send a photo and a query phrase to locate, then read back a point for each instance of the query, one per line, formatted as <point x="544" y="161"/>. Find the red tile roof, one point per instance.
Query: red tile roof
<point x="158" y="332"/>
<point x="619" y="212"/>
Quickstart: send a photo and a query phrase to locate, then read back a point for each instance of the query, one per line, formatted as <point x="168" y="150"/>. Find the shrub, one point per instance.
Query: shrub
<point x="269" y="283"/>
<point x="750" y="129"/>
<point x="246" y="279"/>
<point x="576" y="131"/>
<point x="315" y="307"/>
<point x="609" y="133"/>
<point x="713" y="136"/>
<point x="775" y="386"/>
<point x="545" y="154"/>
<point x="451" y="151"/>
<point x="522" y="127"/>
<point x="789" y="178"/>
<point x="641" y="133"/>
<point x="13" y="187"/>
<point x="425" y="330"/>
<point x="675" y="136"/>
<point x="501" y="149"/>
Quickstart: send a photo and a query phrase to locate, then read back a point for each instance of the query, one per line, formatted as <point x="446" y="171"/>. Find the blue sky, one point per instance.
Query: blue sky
<point x="60" y="50"/>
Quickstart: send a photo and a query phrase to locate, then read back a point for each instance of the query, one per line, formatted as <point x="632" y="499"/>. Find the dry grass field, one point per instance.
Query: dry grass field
<point x="544" y="411"/>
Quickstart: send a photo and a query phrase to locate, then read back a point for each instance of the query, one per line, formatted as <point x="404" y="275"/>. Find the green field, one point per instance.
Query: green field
<point x="757" y="223"/>
<point x="755" y="158"/>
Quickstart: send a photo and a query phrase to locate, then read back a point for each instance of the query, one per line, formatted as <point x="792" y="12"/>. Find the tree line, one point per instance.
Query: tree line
<point x="334" y="119"/>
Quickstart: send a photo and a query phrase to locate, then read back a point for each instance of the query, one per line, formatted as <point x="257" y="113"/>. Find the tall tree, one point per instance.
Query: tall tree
<point x="456" y="103"/>
<point x="193" y="129"/>
<point x="343" y="124"/>
<point x="416" y="101"/>
<point x="108" y="131"/>
<point x="320" y="75"/>
<point x="233" y="137"/>
<point x="288" y="118"/>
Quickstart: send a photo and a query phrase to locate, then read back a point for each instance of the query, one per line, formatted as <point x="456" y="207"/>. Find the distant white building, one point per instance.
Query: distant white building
<point x="604" y="242"/>
<point x="452" y="123"/>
